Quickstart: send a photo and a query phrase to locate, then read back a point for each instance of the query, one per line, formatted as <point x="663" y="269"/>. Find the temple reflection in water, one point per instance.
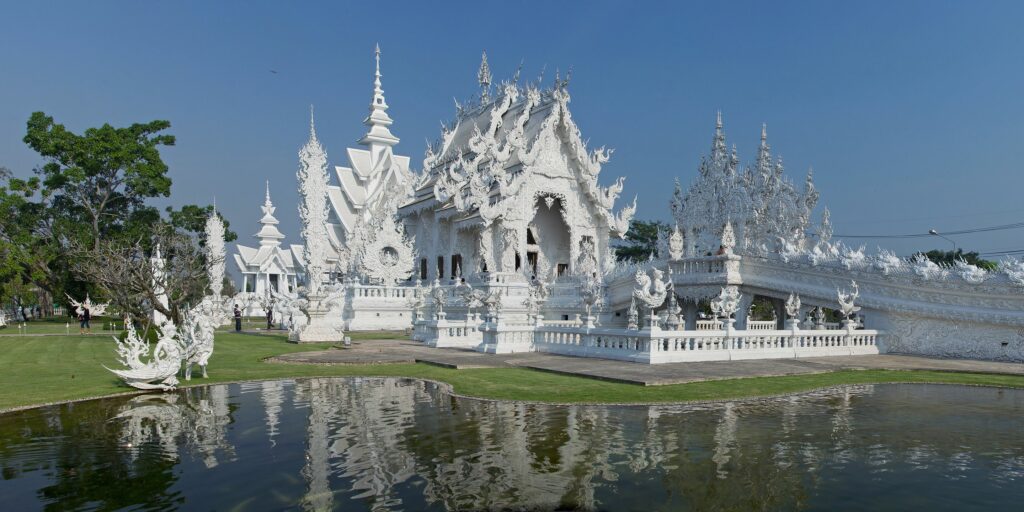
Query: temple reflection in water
<point x="384" y="444"/>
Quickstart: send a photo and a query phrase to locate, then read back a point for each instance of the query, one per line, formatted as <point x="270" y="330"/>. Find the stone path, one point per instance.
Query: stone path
<point x="405" y="351"/>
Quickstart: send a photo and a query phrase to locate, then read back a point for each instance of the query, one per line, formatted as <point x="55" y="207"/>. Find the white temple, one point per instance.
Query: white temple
<point x="502" y="243"/>
<point x="270" y="267"/>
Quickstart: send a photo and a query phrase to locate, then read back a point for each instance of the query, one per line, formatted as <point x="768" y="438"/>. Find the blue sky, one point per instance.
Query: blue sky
<point x="911" y="113"/>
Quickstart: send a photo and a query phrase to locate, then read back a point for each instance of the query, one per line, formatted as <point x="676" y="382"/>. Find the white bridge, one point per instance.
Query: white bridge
<point x="903" y="312"/>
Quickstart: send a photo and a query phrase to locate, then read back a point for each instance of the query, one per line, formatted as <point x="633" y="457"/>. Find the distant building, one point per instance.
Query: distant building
<point x="269" y="266"/>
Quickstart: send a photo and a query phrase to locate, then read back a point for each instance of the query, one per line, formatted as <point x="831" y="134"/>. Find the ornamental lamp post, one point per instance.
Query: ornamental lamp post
<point x="950" y="240"/>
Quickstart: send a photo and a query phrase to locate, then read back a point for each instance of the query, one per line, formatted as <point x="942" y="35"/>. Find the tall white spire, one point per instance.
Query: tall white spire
<point x="269" y="235"/>
<point x="378" y="120"/>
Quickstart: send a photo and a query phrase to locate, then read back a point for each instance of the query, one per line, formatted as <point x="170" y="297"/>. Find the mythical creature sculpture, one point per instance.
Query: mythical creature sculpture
<point x="970" y="273"/>
<point x="846" y="300"/>
<point x="161" y="371"/>
<point x="651" y="290"/>
<point x="727" y="302"/>
<point x="793" y="306"/>
<point x="927" y="268"/>
<point x="94" y="309"/>
<point x="197" y="335"/>
<point x="290" y="307"/>
<point x="888" y="263"/>
<point x="632" y="316"/>
<point x="536" y="296"/>
<point x="676" y="245"/>
<point x="472" y="298"/>
<point x="493" y="304"/>
<point x="592" y="294"/>
<point x="852" y="259"/>
<point x="1014" y="270"/>
<point x="439" y="299"/>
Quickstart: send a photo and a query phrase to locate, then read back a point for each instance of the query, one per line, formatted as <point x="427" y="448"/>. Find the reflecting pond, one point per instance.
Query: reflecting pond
<point x="395" y="444"/>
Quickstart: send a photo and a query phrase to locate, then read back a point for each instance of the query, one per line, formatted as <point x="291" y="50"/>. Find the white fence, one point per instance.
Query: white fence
<point x="653" y="347"/>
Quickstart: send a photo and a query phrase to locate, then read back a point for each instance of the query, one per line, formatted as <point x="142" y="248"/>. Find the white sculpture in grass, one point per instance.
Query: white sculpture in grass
<point x="313" y="184"/>
<point x="215" y="252"/>
<point x="161" y="370"/>
<point x="197" y="334"/>
<point x="94" y="309"/>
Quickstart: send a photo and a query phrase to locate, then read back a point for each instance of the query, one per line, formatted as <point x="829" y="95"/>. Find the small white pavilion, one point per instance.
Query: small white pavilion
<point x="271" y="266"/>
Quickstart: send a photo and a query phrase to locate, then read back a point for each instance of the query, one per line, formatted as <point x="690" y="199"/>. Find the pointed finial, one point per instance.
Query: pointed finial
<point x="483" y="76"/>
<point x="718" y="121"/>
<point x="378" y="120"/>
<point x="268" y="192"/>
<point x="312" y="124"/>
<point x="764" y="133"/>
<point x="214" y="204"/>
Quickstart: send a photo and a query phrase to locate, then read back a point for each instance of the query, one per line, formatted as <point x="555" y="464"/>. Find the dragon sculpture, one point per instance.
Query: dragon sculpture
<point x="161" y="371"/>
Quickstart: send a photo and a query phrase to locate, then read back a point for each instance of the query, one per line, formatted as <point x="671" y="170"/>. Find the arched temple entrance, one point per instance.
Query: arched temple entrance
<point x="547" y="238"/>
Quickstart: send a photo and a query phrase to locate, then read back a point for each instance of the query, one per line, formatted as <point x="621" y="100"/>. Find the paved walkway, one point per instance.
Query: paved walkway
<point x="399" y="351"/>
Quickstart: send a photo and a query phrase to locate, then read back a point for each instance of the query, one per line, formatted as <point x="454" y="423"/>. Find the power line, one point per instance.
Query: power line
<point x="1015" y="225"/>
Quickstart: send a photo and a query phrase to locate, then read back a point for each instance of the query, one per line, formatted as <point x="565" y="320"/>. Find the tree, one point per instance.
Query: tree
<point x="126" y="274"/>
<point x="102" y="177"/>
<point x="641" y="240"/>
<point x="950" y="257"/>
<point x="192" y="218"/>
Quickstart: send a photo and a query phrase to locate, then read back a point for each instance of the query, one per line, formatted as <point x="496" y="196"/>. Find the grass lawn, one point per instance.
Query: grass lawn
<point x="36" y="370"/>
<point x="53" y="325"/>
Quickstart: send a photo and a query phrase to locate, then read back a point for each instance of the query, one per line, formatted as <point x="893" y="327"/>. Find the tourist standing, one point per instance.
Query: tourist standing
<point x="238" y="319"/>
<point x="84" y="327"/>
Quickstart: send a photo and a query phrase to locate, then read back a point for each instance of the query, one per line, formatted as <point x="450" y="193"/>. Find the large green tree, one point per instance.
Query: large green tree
<point x="88" y="198"/>
<point x="102" y="177"/>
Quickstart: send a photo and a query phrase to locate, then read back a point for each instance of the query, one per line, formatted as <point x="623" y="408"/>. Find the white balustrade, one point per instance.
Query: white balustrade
<point x="709" y="325"/>
<point x="761" y="325"/>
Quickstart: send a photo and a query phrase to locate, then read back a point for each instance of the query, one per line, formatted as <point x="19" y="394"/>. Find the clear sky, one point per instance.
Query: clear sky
<point x="911" y="113"/>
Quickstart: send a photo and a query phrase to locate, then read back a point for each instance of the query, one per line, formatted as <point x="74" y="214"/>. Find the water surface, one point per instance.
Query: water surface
<point x="394" y="444"/>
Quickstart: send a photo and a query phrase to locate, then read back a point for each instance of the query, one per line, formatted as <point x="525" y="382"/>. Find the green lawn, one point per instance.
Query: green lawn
<point x="35" y="370"/>
<point x="54" y="325"/>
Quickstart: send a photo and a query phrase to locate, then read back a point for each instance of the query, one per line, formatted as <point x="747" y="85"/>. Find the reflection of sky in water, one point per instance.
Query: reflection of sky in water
<point x="373" y="444"/>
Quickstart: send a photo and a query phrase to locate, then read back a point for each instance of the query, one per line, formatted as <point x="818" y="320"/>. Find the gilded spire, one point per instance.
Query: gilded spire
<point x="378" y="120"/>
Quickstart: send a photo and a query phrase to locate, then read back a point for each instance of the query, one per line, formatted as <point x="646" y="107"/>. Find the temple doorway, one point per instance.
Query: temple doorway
<point x="547" y="239"/>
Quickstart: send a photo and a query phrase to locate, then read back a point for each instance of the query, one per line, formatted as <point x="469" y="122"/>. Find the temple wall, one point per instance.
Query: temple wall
<point x="935" y="337"/>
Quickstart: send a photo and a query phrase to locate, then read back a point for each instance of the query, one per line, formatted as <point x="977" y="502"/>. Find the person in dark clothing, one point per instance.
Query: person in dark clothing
<point x="83" y="326"/>
<point x="238" y="319"/>
<point x="270" y="319"/>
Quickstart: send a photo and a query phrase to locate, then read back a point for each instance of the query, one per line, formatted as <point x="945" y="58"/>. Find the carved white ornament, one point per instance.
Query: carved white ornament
<point x="215" y="252"/>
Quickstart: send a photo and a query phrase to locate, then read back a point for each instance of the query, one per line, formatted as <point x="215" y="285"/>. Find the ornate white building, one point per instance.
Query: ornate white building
<point x="509" y="226"/>
<point x="367" y="195"/>
<point x="270" y="267"/>
<point x="511" y="188"/>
